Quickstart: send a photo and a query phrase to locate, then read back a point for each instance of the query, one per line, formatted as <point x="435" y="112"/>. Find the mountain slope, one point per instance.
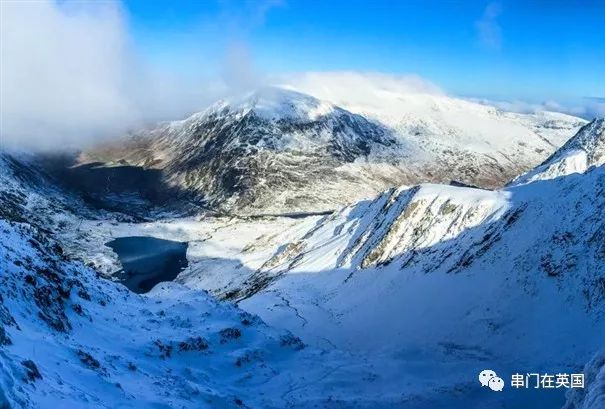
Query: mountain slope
<point x="29" y="194"/>
<point x="593" y="397"/>
<point x="69" y="338"/>
<point x="447" y="280"/>
<point x="276" y="151"/>
<point x="584" y="150"/>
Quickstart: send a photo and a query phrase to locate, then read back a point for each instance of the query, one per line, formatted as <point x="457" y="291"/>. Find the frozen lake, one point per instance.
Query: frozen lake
<point x="147" y="261"/>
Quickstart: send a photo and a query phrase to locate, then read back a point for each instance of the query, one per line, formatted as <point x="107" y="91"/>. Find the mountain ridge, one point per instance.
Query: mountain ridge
<point x="279" y="151"/>
<point x="586" y="149"/>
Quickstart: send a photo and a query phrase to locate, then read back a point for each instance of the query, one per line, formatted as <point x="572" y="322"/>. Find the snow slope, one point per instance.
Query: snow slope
<point x="509" y="279"/>
<point x="534" y="248"/>
<point x="69" y="338"/>
<point x="447" y="280"/>
<point x="584" y="150"/>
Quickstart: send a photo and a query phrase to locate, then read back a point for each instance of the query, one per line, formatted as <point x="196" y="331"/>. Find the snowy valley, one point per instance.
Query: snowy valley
<point x="330" y="261"/>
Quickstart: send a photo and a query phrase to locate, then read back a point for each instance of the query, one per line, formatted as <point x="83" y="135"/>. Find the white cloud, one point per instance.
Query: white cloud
<point x="239" y="73"/>
<point x="488" y="30"/>
<point x="357" y="82"/>
<point x="70" y="75"/>
<point x="354" y="88"/>
<point x="587" y="108"/>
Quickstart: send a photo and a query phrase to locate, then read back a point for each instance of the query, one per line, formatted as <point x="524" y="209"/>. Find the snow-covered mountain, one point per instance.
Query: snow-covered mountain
<point x="71" y="339"/>
<point x="447" y="280"/>
<point x="397" y="300"/>
<point x="484" y="275"/>
<point x="586" y="149"/>
<point x="275" y="151"/>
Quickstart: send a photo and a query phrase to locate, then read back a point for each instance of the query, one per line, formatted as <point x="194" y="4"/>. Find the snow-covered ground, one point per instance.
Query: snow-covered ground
<point x="399" y="300"/>
<point x="72" y="340"/>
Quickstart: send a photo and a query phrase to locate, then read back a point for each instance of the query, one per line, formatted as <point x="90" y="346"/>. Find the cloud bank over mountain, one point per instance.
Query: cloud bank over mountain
<point x="71" y="74"/>
<point x="587" y="108"/>
<point x="357" y="87"/>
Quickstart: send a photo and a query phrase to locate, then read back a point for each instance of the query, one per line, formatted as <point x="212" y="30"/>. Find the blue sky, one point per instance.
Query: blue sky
<point x="533" y="50"/>
<point x="83" y="69"/>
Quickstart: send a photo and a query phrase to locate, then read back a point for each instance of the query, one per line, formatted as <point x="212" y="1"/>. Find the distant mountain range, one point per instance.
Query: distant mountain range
<point x="279" y="151"/>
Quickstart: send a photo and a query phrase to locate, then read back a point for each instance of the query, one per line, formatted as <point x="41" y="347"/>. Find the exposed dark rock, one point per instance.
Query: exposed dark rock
<point x="31" y="371"/>
<point x="228" y="334"/>
<point x="165" y="349"/>
<point x="193" y="344"/>
<point x="291" y="341"/>
<point x="4" y="338"/>
<point x="89" y="360"/>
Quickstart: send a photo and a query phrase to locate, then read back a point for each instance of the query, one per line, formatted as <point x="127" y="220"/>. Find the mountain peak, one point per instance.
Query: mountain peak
<point x="590" y="138"/>
<point x="273" y="103"/>
<point x="583" y="151"/>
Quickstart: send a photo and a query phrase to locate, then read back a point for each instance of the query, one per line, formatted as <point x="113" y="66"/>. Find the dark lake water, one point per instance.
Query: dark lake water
<point x="147" y="261"/>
